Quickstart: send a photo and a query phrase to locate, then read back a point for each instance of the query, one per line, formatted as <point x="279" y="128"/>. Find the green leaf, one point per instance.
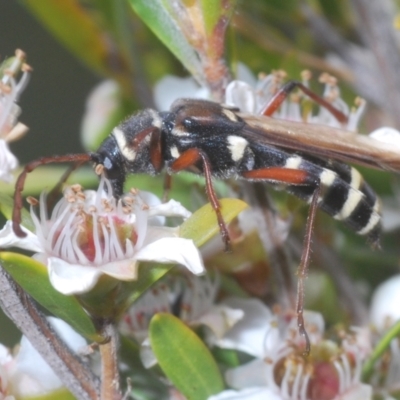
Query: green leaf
<point x="379" y="350"/>
<point x="32" y="276"/>
<point x="6" y="208"/>
<point x="227" y="357"/>
<point x="46" y="177"/>
<point x="203" y="225"/>
<point x="117" y="16"/>
<point x="214" y="11"/>
<point x="184" y="358"/>
<point x="72" y="24"/>
<point x="61" y="394"/>
<point x="158" y="17"/>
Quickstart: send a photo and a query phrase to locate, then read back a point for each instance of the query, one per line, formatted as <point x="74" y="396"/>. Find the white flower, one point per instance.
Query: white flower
<point x="101" y="107"/>
<point x="10" y="128"/>
<point x="253" y="99"/>
<point x="90" y="234"/>
<point x="27" y="374"/>
<point x="191" y="299"/>
<point x="384" y="310"/>
<point x="31" y="375"/>
<point x="384" y="313"/>
<point x="280" y="371"/>
<point x="387" y="135"/>
<point x="6" y="363"/>
<point x="170" y="88"/>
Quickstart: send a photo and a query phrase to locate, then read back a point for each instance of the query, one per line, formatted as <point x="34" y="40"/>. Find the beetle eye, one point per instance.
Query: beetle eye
<point x="187" y="122"/>
<point x="111" y="170"/>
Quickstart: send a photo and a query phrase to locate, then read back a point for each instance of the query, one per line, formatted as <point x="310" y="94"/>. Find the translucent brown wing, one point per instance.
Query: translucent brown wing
<point x="323" y="141"/>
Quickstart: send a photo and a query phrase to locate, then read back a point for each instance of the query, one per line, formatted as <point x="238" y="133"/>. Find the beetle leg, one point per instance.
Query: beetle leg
<point x="167" y="186"/>
<point x="302" y="269"/>
<point x="189" y="158"/>
<point x="281" y="175"/>
<point x="155" y="149"/>
<point x="281" y="95"/>
<point x="296" y="177"/>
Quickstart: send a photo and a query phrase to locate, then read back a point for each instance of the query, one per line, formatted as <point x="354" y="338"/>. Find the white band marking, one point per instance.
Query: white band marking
<point x="237" y="145"/>
<point x="123" y="146"/>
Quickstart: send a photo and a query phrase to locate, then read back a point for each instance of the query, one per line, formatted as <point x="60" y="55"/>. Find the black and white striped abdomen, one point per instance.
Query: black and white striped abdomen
<point x="344" y="194"/>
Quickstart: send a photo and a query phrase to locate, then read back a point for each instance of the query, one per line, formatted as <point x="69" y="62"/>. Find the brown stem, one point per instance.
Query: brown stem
<point x="21" y="309"/>
<point x="110" y="380"/>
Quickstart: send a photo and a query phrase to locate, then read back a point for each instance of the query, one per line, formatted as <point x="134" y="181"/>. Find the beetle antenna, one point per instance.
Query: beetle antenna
<point x="19" y="185"/>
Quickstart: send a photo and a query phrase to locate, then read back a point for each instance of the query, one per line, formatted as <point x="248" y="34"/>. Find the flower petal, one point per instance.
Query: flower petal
<point x="241" y="94"/>
<point x="8" y="162"/>
<point x="387" y="135"/>
<point x="101" y="105"/>
<point x="170" y="88"/>
<point x="254" y="373"/>
<point x="71" y="278"/>
<point x="384" y="311"/>
<point x="33" y="376"/>
<point x="255" y="393"/>
<point x="173" y="250"/>
<point x="124" y="270"/>
<point x="147" y="355"/>
<point x="170" y="209"/>
<point x="360" y="391"/>
<point x="249" y="333"/>
<point x="220" y="319"/>
<point x="9" y="239"/>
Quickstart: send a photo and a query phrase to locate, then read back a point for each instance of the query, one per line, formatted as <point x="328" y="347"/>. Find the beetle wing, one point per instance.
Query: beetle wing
<point x="322" y="141"/>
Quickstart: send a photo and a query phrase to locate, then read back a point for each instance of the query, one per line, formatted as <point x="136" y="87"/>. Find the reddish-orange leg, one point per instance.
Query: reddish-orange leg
<point x="19" y="186"/>
<point x="303" y="269"/>
<point x="296" y="177"/>
<point x="189" y="158"/>
<point x="281" y="175"/>
<point x="288" y="87"/>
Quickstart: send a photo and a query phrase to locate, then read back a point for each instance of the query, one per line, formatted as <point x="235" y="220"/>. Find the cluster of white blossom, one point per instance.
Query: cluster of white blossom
<point x="89" y="234"/>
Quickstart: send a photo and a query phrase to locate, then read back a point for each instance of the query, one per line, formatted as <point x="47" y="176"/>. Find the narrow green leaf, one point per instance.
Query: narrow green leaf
<point x="184" y="358"/>
<point x="32" y="276"/>
<point x="159" y="19"/>
<point x="71" y="23"/>
<point x="379" y="350"/>
<point x="227" y="357"/>
<point x="202" y="225"/>
<point x="213" y="10"/>
<point x="117" y="16"/>
<point x="46" y="177"/>
<point x="6" y="208"/>
<point x="61" y="394"/>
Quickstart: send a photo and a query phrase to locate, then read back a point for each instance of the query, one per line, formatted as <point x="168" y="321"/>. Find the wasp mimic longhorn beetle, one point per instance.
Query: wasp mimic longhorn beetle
<point x="219" y="141"/>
